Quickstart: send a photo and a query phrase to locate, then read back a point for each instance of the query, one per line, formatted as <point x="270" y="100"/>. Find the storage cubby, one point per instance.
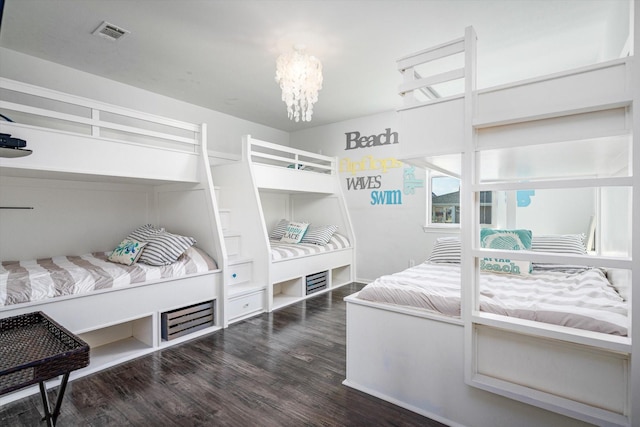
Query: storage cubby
<point x="119" y="342"/>
<point x="340" y="276"/>
<point x="287" y="292"/>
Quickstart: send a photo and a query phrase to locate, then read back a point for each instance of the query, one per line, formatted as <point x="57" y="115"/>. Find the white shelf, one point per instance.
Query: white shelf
<point x="281" y="300"/>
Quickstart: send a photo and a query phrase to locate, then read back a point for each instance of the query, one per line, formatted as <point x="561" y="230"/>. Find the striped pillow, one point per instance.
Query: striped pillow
<point x="319" y="235"/>
<point x="446" y="250"/>
<point x="559" y="243"/>
<point x="165" y="248"/>
<point x="279" y="230"/>
<point x="143" y="232"/>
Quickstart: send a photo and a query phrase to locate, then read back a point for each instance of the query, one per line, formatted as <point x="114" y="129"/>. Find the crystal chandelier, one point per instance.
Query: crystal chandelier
<point x="300" y="78"/>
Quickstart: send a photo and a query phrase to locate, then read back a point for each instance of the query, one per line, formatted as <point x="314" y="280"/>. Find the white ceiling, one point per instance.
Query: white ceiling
<point x="221" y="54"/>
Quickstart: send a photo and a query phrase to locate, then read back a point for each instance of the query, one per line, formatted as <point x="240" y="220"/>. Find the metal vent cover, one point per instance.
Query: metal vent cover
<point x="110" y="31"/>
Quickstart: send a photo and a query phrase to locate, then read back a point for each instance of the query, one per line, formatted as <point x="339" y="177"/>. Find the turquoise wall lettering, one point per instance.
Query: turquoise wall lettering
<point x="388" y="197"/>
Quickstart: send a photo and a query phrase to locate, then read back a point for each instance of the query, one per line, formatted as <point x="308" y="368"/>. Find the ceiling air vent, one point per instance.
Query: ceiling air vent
<point x="110" y="31"/>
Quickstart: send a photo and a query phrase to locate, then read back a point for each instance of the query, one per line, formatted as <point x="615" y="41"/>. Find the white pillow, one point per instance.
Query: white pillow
<point x="294" y="233"/>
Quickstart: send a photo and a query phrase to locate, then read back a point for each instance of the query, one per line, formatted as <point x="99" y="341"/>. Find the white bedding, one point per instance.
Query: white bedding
<point x="281" y="251"/>
<point x="582" y="298"/>
<point x="37" y="280"/>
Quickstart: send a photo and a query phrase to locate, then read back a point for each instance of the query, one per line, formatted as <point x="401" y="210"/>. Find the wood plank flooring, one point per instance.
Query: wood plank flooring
<point x="278" y="369"/>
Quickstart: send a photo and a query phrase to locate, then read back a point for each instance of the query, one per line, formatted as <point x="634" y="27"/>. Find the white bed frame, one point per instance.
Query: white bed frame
<point x="487" y="370"/>
<point x="264" y="187"/>
<point x="152" y="168"/>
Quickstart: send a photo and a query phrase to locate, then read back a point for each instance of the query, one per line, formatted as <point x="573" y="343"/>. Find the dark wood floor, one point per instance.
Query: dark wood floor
<point x="278" y="369"/>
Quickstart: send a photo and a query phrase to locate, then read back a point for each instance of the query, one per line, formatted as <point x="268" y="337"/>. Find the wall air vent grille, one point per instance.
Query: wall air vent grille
<point x="110" y="31"/>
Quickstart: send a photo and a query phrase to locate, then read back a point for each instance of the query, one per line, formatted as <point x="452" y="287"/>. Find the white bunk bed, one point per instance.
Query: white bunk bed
<point x="96" y="173"/>
<point x="273" y="182"/>
<point x="515" y="137"/>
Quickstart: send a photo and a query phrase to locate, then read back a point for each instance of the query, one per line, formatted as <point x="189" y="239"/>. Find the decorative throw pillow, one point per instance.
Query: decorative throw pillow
<point x="127" y="252"/>
<point x="279" y="229"/>
<point x="319" y="235"/>
<point x="559" y="243"/>
<point x="294" y="233"/>
<point x="446" y="250"/>
<point x="165" y="248"/>
<point x="509" y="240"/>
<point x="143" y="232"/>
<point x="506" y="266"/>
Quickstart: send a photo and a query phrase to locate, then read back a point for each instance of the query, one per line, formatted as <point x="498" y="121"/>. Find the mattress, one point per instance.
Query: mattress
<point x="37" y="280"/>
<point x="580" y="298"/>
<point x="281" y="251"/>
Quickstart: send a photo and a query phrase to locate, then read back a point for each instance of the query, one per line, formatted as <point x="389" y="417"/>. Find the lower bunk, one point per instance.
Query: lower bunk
<point x="563" y="350"/>
<point x="416" y="360"/>
<point x="122" y="312"/>
<point x="300" y="270"/>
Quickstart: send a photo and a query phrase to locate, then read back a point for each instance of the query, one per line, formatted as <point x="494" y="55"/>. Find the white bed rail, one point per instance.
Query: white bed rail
<point x="70" y="134"/>
<point x="279" y="167"/>
<point x="95" y="118"/>
<point x="267" y="153"/>
<point x="424" y="71"/>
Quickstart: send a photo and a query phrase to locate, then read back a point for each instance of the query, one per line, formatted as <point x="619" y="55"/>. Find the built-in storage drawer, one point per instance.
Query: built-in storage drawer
<point x="246" y="305"/>
<point x="240" y="273"/>
<point x="185" y="320"/>
<point x="316" y="282"/>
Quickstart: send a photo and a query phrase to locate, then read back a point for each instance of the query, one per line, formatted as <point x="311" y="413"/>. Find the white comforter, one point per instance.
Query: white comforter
<point x="582" y="299"/>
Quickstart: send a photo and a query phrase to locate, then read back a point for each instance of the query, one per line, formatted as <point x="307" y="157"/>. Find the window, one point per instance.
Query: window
<point x="444" y="203"/>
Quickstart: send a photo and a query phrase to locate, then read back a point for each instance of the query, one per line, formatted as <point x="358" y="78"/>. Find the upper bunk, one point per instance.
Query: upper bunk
<point x="70" y="137"/>
<point x="282" y="168"/>
<point x="97" y="160"/>
<point x="574" y="121"/>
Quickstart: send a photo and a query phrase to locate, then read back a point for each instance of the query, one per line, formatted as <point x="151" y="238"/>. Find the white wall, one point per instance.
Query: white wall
<point x="224" y="132"/>
<point x="387" y="235"/>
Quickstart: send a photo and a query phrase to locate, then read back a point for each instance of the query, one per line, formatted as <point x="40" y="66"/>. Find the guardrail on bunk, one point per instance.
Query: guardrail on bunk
<point x="438" y="73"/>
<point x="283" y="168"/>
<point x="269" y="154"/>
<point x="31" y="105"/>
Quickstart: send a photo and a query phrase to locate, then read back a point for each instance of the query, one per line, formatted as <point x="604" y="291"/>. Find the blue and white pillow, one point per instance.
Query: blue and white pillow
<point x="127" y="252"/>
<point x="509" y="240"/>
<point x="165" y="248"/>
<point x="506" y="240"/>
<point x="319" y="235"/>
<point x="294" y="233"/>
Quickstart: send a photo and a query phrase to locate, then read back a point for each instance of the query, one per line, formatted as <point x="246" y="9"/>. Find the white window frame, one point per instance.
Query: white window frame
<point x="438" y="227"/>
